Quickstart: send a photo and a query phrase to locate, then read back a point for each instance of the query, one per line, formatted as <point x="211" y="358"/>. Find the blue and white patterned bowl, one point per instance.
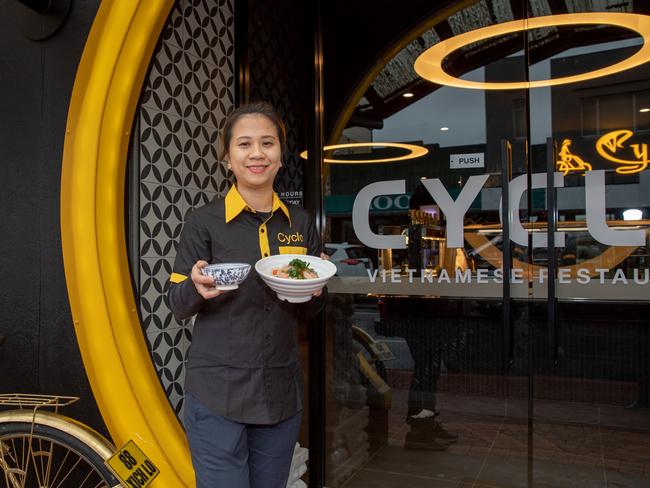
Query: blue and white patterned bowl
<point x="227" y="276"/>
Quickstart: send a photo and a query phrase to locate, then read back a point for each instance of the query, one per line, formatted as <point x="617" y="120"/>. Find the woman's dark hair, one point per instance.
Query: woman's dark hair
<point x="255" y="108"/>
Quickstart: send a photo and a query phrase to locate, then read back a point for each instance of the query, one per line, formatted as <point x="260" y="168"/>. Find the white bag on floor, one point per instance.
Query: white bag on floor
<point x="298" y="467"/>
<point x="298" y="484"/>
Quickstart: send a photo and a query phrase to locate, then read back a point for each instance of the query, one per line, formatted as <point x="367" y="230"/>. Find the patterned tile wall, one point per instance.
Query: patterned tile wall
<point x="189" y="90"/>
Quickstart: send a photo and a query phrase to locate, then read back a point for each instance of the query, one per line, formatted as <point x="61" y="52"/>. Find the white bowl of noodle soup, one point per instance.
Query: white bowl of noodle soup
<point x="291" y="289"/>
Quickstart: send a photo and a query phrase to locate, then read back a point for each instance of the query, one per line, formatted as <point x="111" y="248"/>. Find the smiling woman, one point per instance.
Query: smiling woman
<point x="107" y="87"/>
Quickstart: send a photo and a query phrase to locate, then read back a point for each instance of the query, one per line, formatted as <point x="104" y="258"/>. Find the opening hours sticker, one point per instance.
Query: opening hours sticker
<point x="132" y="467"/>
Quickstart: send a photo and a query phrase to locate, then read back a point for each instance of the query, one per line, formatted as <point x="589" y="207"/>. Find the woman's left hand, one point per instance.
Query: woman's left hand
<point x="326" y="257"/>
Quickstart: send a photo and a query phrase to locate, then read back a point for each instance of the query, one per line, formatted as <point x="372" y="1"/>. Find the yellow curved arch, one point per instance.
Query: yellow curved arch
<point x="104" y="99"/>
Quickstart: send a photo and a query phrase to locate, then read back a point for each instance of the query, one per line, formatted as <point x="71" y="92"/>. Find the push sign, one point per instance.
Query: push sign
<point x="132" y="467"/>
<point x="460" y="161"/>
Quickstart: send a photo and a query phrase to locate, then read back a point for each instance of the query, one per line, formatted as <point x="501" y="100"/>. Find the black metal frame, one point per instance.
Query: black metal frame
<point x="529" y="254"/>
<point x="242" y="62"/>
<point x="506" y="176"/>
<point x="552" y="218"/>
<point x="314" y="203"/>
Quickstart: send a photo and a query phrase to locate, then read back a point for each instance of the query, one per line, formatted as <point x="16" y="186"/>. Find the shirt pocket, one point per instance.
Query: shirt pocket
<point x="292" y="250"/>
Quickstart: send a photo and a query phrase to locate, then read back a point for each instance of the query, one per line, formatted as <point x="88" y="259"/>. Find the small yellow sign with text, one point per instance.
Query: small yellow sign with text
<point x="132" y="467"/>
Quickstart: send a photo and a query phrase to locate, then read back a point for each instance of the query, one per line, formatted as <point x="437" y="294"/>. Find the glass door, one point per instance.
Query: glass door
<point x="589" y="399"/>
<point x="429" y="331"/>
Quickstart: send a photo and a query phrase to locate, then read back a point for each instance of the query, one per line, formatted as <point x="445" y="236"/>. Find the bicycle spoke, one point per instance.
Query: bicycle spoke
<point x="90" y="473"/>
<point x="37" y="462"/>
<point x="61" y="465"/>
<point x="14" y="476"/>
<point x="49" y="463"/>
<point x="41" y="454"/>
<point x="70" y="471"/>
<point x="4" y="449"/>
<point x="23" y="457"/>
<point x="20" y="463"/>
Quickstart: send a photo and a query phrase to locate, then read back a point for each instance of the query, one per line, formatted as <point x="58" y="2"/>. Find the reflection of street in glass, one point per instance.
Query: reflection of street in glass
<point x="428" y="433"/>
<point x="430" y="341"/>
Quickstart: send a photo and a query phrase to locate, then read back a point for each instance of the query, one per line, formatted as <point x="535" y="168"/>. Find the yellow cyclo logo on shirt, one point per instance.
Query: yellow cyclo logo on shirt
<point x="290" y="238"/>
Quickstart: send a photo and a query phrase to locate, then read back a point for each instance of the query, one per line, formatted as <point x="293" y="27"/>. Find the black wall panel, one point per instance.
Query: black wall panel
<point x="279" y="42"/>
<point x="36" y="79"/>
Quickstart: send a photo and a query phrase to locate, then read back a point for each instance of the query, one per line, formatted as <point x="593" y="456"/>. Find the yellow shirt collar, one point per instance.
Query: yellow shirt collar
<point x="235" y="204"/>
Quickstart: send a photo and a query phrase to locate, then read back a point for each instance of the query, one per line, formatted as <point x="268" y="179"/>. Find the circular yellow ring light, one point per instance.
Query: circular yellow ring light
<point x="115" y="355"/>
<point x="414" y="152"/>
<point x="429" y="64"/>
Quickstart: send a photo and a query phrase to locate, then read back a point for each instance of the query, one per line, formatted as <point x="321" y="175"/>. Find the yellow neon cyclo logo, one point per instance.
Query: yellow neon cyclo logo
<point x="613" y="143"/>
<point x="610" y="147"/>
<point x="569" y="162"/>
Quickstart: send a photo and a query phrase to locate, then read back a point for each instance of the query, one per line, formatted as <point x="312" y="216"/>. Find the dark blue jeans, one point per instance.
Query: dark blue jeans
<point x="228" y="454"/>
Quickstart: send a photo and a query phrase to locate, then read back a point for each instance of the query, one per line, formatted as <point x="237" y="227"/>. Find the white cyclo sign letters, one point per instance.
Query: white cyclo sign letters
<point x="455" y="211"/>
<point x="517" y="188"/>
<point x="361" y="209"/>
<point x="596" y="220"/>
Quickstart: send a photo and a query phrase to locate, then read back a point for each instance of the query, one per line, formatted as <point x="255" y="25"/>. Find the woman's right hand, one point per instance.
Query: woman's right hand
<point x="204" y="284"/>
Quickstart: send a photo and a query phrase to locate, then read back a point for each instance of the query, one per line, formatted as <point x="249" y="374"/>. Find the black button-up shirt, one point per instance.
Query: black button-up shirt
<point x="243" y="361"/>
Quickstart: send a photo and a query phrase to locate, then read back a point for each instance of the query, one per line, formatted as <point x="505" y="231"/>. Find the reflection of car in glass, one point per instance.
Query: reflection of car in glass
<point x="350" y="259"/>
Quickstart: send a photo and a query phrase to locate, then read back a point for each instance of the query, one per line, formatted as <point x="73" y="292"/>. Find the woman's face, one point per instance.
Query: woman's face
<point x="254" y="152"/>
